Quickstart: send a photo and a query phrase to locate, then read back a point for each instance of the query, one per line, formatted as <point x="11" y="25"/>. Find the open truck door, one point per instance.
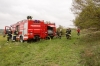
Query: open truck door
<point x="51" y="29"/>
<point x="5" y="30"/>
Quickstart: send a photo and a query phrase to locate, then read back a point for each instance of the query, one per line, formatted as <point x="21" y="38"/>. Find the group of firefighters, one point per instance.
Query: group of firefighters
<point x="12" y="35"/>
<point x="68" y="33"/>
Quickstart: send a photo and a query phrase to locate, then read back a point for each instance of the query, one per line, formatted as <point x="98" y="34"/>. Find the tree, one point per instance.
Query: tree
<point x="88" y="13"/>
<point x="79" y="5"/>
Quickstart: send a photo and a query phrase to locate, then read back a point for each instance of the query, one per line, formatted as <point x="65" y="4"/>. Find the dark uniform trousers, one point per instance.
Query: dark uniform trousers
<point x="14" y="37"/>
<point x="9" y="37"/>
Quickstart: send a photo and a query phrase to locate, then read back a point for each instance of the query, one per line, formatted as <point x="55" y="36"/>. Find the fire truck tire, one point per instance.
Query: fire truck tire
<point x="21" y="39"/>
<point x="48" y="37"/>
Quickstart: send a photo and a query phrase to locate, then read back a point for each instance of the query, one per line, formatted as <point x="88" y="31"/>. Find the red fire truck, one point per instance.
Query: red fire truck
<point x="33" y="30"/>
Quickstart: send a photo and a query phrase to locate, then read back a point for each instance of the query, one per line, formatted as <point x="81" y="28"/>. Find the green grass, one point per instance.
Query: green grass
<point x="55" y="52"/>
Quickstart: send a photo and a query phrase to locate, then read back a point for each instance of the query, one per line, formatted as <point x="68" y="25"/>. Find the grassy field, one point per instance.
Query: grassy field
<point x="55" y="52"/>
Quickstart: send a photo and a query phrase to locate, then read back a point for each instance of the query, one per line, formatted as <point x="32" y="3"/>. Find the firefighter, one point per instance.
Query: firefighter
<point x="9" y="34"/>
<point x="14" y="35"/>
<point x="78" y="31"/>
<point x="68" y="33"/>
<point x="59" y="33"/>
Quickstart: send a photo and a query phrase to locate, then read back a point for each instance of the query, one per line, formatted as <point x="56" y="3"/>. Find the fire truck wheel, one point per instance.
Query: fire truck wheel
<point x="51" y="37"/>
<point x="21" y="39"/>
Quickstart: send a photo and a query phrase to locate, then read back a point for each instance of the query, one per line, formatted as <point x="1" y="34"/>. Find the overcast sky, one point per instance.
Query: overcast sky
<point x="58" y="11"/>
